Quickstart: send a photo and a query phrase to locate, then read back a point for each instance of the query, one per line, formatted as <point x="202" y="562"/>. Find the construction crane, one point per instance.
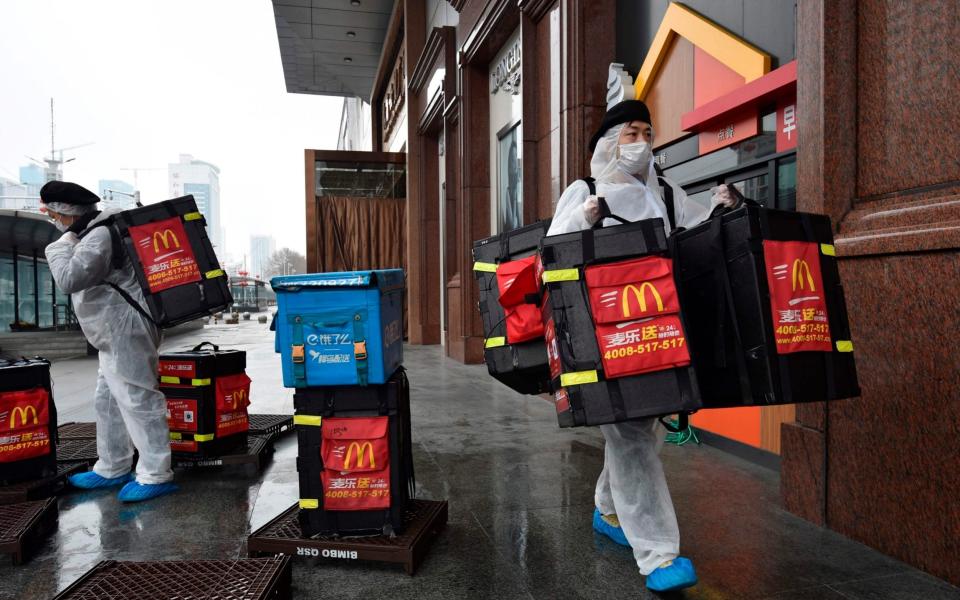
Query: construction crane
<point x="54" y="162"/>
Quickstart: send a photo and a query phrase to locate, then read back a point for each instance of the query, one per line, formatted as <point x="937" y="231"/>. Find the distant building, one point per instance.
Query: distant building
<point x="17" y="196"/>
<point x="202" y="180"/>
<point x="262" y="248"/>
<point x="116" y="194"/>
<point x="354" y="125"/>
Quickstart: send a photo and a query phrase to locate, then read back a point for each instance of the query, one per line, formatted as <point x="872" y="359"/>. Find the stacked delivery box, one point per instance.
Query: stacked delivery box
<point x="207" y="393"/>
<point x="339" y="338"/>
<point x="28" y="421"/>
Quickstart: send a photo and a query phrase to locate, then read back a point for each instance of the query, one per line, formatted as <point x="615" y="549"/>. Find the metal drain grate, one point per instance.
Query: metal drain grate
<point x="423" y="521"/>
<point x="77" y="431"/>
<point x="270" y="425"/>
<point x="77" y="450"/>
<point x="24" y="526"/>
<point x="245" y="579"/>
<point x="40" y="488"/>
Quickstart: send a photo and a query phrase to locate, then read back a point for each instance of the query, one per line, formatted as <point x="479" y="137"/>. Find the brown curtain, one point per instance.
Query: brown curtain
<point x="361" y="233"/>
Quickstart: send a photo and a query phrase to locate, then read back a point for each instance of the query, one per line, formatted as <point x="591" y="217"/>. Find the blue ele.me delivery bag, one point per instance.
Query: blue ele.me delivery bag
<point x="339" y="328"/>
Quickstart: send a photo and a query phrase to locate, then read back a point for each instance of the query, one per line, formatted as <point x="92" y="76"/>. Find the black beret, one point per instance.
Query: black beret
<point x="67" y="193"/>
<point x="623" y="112"/>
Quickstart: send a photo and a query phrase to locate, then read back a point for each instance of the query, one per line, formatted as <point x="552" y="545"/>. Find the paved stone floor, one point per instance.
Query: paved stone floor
<point x="521" y="497"/>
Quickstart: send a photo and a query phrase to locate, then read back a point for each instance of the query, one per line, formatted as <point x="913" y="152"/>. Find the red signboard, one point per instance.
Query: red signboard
<point x="800" y="320"/>
<point x="787" y="124"/>
<point x="733" y="128"/>
<point x="24" y="424"/>
<point x="356" y="461"/>
<point x="636" y="311"/>
<point x="165" y="253"/>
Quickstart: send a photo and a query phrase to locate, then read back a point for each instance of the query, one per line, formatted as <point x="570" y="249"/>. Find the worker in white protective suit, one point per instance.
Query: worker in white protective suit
<point x="131" y="410"/>
<point x="633" y="504"/>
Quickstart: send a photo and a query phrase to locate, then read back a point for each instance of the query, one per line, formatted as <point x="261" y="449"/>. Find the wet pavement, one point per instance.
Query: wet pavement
<point x="521" y="497"/>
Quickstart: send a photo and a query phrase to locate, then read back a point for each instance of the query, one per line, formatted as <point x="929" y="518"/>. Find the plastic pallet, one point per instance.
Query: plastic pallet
<point x="77" y="451"/>
<point x="24" y="527"/>
<point x="423" y="521"/>
<point x="38" y="489"/>
<point x="77" y="431"/>
<point x="259" y="451"/>
<point x="270" y="425"/>
<point x="243" y="579"/>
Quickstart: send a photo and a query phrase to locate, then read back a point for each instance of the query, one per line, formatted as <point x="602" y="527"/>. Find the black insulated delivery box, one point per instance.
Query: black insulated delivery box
<point x="174" y="260"/>
<point x="505" y="266"/>
<point x="28" y="421"/>
<point x="355" y="457"/>
<point x="614" y="331"/>
<point x="767" y="320"/>
<point x="208" y="392"/>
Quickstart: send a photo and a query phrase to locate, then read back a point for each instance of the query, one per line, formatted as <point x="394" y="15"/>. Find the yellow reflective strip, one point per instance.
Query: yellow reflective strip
<point x="214" y="273"/>
<point x="175" y="436"/>
<point x="844" y="346"/>
<point x="561" y="275"/>
<point x="307" y="420"/>
<point x="495" y="342"/>
<point x="194" y="216"/>
<point x="200" y="382"/>
<point x="167" y="379"/>
<point x="828" y="250"/>
<point x="309" y="503"/>
<point x="203" y="437"/>
<point x="578" y="378"/>
<point x="485" y="267"/>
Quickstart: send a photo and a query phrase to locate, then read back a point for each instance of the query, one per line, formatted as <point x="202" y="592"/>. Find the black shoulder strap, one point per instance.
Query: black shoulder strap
<point x="591" y="183"/>
<point x="132" y="302"/>
<point x="668" y="201"/>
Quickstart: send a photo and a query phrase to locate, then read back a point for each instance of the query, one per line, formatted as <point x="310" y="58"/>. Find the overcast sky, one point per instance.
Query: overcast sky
<point x="147" y="80"/>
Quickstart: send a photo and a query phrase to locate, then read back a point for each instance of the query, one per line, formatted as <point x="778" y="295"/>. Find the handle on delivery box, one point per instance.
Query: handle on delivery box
<point x="606" y="214"/>
<point x="199" y="346"/>
<point x="721" y="209"/>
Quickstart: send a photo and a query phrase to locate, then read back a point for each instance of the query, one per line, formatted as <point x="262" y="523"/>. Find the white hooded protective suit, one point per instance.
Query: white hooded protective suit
<point x="632" y="484"/>
<point x="131" y="410"/>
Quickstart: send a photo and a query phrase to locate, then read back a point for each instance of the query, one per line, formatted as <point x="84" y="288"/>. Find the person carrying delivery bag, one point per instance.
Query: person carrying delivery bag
<point x="633" y="504"/>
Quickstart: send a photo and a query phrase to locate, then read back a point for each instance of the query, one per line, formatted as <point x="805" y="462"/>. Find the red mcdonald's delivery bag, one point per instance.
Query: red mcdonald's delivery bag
<point x="24" y="424"/>
<point x="634" y="305"/>
<point x="356" y="463"/>
<point x="517" y="281"/>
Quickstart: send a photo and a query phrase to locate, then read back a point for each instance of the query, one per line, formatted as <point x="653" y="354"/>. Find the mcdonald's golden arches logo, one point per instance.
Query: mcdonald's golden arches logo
<point x="238" y="396"/>
<point x="164" y="236"/>
<point x="22" y="411"/>
<point x="641" y="296"/>
<point x="801" y="268"/>
<point x="359" y="447"/>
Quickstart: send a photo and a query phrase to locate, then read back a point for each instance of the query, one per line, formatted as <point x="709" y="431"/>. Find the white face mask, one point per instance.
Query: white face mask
<point x="634" y="158"/>
<point x="56" y="223"/>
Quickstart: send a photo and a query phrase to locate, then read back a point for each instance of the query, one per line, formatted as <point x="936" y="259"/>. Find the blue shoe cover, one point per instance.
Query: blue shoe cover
<point x="138" y="492"/>
<point x="676" y="575"/>
<point x="92" y="481"/>
<point x="614" y="532"/>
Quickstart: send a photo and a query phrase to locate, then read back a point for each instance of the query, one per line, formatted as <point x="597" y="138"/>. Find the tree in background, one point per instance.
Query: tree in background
<point x="285" y="262"/>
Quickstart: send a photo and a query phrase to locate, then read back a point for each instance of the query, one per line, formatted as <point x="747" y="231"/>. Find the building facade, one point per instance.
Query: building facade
<point x="116" y="194"/>
<point x="262" y="248"/>
<point x="803" y="106"/>
<point x="202" y="180"/>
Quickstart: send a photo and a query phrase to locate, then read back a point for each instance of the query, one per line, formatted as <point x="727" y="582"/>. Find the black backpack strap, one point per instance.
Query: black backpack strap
<point x="591" y="183"/>
<point x="132" y="302"/>
<point x="667" y="195"/>
<point x="668" y="201"/>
